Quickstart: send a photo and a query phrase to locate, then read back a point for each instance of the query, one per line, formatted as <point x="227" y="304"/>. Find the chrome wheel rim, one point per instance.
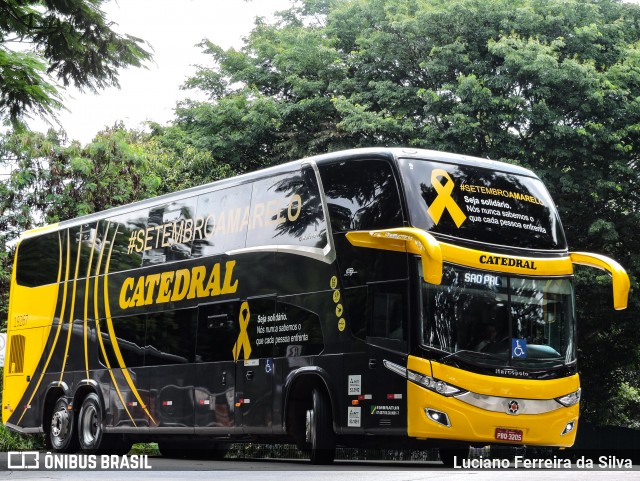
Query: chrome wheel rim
<point x="60" y="425"/>
<point x="89" y="425"/>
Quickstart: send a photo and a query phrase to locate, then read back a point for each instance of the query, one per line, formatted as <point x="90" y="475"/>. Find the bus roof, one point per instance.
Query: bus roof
<point x="391" y="153"/>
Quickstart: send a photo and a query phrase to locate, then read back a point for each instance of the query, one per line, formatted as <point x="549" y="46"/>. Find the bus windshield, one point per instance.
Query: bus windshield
<point x="480" y="204"/>
<point x="500" y="320"/>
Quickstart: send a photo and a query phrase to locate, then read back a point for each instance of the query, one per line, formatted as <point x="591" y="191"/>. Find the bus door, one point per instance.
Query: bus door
<point x="384" y="404"/>
<point x="255" y="369"/>
<point x="215" y="366"/>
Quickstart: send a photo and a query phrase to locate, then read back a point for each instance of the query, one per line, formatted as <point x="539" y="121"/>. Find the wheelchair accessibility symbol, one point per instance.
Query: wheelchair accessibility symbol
<point x="518" y="348"/>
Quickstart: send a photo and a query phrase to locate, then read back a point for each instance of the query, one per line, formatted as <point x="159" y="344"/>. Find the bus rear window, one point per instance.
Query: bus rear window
<point x="38" y="260"/>
<point x="482" y="205"/>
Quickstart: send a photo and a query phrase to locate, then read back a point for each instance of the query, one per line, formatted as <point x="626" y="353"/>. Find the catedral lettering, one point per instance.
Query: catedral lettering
<point x="508" y="262"/>
<point x="307" y="302"/>
<point x="174" y="286"/>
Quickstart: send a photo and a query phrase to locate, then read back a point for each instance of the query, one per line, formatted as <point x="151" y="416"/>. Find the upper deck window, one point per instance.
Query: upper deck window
<point x="481" y="204"/>
<point x="361" y="195"/>
<point x="38" y="260"/>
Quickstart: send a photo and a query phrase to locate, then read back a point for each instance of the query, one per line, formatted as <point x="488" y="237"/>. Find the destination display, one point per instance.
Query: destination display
<point x="481" y="205"/>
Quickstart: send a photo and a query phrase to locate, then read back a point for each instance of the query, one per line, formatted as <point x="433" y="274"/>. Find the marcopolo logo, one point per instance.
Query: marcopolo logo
<point x="19" y="460"/>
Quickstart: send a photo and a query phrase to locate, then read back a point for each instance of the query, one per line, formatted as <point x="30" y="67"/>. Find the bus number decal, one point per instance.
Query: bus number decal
<point x="21" y="320"/>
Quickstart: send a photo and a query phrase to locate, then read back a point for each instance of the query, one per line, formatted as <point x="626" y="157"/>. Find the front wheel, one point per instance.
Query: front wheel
<point x="62" y="436"/>
<point x="319" y="429"/>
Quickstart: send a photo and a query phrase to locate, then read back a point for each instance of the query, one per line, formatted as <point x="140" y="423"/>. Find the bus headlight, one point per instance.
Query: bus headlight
<point x="438" y="416"/>
<point x="570" y="399"/>
<point x="434" y="385"/>
<point x="568" y="428"/>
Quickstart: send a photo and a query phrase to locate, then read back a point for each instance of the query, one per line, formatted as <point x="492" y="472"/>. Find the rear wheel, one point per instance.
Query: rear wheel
<point x="90" y="431"/>
<point x="319" y="429"/>
<point x="91" y="434"/>
<point x="62" y="434"/>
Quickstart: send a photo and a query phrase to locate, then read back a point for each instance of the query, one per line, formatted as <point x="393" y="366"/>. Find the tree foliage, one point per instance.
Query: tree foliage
<point x="66" y="41"/>
<point x="50" y="181"/>
<point x="553" y="85"/>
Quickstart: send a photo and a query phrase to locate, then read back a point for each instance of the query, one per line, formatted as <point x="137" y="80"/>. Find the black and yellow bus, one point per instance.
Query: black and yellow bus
<point x="372" y="297"/>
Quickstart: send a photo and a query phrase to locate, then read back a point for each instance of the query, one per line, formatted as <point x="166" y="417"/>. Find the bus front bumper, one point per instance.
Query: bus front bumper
<point x="490" y="409"/>
<point x="433" y="416"/>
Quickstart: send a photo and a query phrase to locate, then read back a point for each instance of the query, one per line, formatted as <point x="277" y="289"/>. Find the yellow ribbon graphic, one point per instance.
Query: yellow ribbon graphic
<point x="243" y="339"/>
<point x="444" y="199"/>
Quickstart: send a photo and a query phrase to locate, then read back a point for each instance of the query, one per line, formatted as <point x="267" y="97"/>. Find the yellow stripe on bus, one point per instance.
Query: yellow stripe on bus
<point x="112" y="334"/>
<point x="86" y="305"/>
<point x="73" y="307"/>
<point x="97" y="318"/>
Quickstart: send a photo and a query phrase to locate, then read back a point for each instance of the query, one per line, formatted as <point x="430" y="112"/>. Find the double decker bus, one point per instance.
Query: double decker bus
<point x="371" y="297"/>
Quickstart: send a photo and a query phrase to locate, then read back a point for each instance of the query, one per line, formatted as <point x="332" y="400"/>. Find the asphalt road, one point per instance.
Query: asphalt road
<point x="279" y="470"/>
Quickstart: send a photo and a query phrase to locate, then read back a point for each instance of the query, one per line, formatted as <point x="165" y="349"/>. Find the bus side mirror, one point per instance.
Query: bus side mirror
<point x="620" y="279"/>
<point x="405" y="239"/>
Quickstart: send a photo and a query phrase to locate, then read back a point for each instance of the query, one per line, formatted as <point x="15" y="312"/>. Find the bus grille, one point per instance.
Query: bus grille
<point x="16" y="358"/>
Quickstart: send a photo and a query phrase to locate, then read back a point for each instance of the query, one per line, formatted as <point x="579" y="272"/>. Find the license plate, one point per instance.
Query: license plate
<point x="509" y="435"/>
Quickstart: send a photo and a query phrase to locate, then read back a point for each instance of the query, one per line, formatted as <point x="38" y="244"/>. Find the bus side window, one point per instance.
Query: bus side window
<point x="387" y="311"/>
<point x="302" y="331"/>
<point x="286" y="210"/>
<point x="171" y="229"/>
<point x="355" y="304"/>
<point x="170" y="337"/>
<point x="130" y="338"/>
<point x="126" y="254"/>
<point x="38" y="258"/>
<point x="86" y="238"/>
<point x="361" y="195"/>
<point x="222" y="214"/>
<point x="217" y="331"/>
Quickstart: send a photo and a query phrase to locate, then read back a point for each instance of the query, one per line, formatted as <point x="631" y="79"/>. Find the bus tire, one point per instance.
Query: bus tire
<point x="319" y="429"/>
<point x="62" y="432"/>
<point x="90" y="431"/>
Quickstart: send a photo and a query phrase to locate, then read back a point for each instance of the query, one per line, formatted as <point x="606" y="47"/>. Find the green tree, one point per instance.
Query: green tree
<point x="66" y="41"/>
<point x="553" y="85"/>
<point x="50" y="181"/>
